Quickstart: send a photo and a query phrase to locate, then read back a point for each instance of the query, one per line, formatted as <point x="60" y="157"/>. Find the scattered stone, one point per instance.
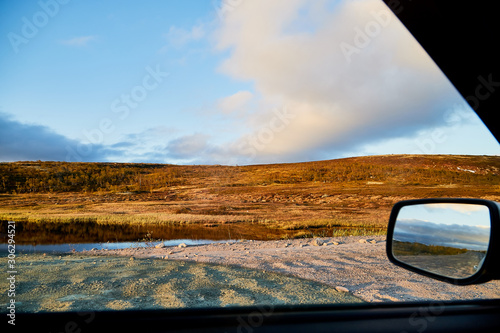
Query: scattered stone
<point x="317" y="242"/>
<point x="324" y="196"/>
<point x="325" y="244"/>
<point x="342" y="289"/>
<point x="182" y="245"/>
<point x="161" y="245"/>
<point x="373" y="241"/>
<point x="93" y="249"/>
<point x="131" y="259"/>
<point x="335" y="243"/>
<point x="362" y="241"/>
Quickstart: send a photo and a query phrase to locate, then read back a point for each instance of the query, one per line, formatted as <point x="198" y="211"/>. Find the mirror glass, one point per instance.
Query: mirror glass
<point x="447" y="239"/>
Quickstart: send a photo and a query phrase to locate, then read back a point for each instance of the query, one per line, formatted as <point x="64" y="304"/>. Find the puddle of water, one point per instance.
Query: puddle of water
<point x="64" y="248"/>
<point x="30" y="233"/>
<point x="65" y="237"/>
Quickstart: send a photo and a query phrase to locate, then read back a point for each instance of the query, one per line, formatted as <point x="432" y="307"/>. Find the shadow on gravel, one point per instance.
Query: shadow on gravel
<point x="73" y="282"/>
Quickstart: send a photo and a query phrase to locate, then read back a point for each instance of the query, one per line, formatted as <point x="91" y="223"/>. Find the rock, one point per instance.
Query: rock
<point x="324" y="196"/>
<point x="182" y="245"/>
<point x="342" y="289"/>
<point x="373" y="241"/>
<point x="335" y="243"/>
<point x="317" y="242"/>
<point x="362" y="241"/>
<point x="131" y="259"/>
<point x="325" y="244"/>
<point x="161" y="245"/>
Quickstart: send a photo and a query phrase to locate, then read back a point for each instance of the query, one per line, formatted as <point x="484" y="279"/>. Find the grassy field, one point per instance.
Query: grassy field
<point x="350" y="196"/>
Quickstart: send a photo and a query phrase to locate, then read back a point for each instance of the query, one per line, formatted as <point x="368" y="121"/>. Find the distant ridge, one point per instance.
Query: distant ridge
<point x="42" y="177"/>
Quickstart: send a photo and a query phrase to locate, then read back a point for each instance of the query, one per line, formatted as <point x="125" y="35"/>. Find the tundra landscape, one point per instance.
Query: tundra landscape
<point x="60" y="202"/>
<point x="300" y="233"/>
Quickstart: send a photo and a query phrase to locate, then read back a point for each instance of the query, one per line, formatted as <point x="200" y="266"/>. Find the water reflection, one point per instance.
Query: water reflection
<point x="92" y="232"/>
<point x="61" y="248"/>
<point x="85" y="235"/>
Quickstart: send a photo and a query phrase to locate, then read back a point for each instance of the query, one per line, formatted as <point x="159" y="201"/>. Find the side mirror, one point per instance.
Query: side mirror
<point x="453" y="240"/>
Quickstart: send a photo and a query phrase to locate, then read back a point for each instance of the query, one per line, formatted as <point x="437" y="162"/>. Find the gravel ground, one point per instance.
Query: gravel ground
<point x="358" y="264"/>
<point x="301" y="271"/>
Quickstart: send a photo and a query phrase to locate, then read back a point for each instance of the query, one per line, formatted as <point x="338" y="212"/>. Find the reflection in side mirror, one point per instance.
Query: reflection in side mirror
<point x="443" y="238"/>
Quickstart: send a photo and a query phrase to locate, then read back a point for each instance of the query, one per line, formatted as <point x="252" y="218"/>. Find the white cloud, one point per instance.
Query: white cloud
<point x="291" y="50"/>
<point x="79" y="41"/>
<point x="188" y="147"/>
<point x="460" y="208"/>
<point x="235" y="103"/>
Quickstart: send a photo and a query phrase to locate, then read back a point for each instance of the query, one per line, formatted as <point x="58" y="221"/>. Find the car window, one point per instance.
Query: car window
<point x="192" y="153"/>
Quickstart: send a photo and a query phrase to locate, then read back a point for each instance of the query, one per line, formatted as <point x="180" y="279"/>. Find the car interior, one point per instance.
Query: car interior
<point x="460" y="38"/>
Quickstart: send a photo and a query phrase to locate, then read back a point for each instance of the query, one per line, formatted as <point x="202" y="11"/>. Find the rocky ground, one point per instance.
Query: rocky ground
<point x="301" y="271"/>
<point x="356" y="264"/>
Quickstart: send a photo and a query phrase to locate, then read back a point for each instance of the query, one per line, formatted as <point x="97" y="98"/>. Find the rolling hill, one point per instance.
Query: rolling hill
<point x="297" y="199"/>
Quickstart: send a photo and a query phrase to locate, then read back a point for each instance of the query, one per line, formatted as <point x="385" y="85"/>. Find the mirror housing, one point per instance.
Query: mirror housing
<point x="452" y="240"/>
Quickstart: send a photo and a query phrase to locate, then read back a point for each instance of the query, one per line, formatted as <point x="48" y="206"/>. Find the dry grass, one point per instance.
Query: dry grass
<point x="339" y="197"/>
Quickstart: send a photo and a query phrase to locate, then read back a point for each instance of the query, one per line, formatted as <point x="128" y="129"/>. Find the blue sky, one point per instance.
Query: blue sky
<point x="226" y="82"/>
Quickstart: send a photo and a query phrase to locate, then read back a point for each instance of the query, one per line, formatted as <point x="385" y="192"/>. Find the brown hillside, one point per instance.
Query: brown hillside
<point x="297" y="198"/>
